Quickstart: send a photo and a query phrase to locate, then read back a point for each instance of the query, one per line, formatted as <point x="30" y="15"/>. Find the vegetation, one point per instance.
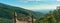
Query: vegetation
<point x="7" y="14"/>
<point x="52" y="17"/>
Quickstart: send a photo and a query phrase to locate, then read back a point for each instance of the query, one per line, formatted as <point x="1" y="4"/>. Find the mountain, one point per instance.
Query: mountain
<point x="7" y="13"/>
<point x="44" y="11"/>
<point x="41" y="16"/>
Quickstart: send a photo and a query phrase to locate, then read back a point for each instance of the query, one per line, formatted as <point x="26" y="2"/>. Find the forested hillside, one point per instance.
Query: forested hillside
<point x="51" y="17"/>
<point x="7" y="13"/>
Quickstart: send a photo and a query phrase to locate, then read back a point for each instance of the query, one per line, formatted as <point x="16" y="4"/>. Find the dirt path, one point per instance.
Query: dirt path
<point x="21" y="21"/>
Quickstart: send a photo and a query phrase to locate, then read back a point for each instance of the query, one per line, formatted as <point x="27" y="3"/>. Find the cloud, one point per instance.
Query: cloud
<point x="40" y="7"/>
<point x="37" y="0"/>
<point x="34" y="0"/>
<point x="50" y="4"/>
<point x="58" y="0"/>
<point x="26" y="1"/>
<point x="29" y="0"/>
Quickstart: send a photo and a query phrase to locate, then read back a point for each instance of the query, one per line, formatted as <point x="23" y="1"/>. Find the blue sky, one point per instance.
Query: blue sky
<point x="33" y="4"/>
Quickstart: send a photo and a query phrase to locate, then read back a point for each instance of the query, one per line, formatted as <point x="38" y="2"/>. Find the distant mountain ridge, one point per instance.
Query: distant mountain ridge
<point x="44" y="11"/>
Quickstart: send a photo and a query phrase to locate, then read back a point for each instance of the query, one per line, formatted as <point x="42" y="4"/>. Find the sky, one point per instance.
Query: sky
<point x="33" y="4"/>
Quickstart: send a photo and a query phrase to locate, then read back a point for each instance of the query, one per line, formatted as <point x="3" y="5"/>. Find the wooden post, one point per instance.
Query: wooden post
<point x="15" y="17"/>
<point x="32" y="19"/>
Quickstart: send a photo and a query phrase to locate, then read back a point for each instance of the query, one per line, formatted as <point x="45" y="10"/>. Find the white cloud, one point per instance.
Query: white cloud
<point x="37" y="0"/>
<point x="34" y="0"/>
<point x="58" y="0"/>
<point x="40" y="7"/>
<point x="27" y="0"/>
